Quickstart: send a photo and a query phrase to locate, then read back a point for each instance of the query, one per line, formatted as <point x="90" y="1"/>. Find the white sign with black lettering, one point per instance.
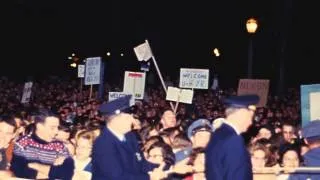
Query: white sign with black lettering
<point x="81" y="71"/>
<point x="179" y="95"/>
<point x="115" y="95"/>
<point x="134" y="83"/>
<point x="194" y="78"/>
<point x="92" y="73"/>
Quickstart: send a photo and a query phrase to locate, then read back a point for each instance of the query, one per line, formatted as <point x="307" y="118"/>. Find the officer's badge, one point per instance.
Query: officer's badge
<point x="139" y="158"/>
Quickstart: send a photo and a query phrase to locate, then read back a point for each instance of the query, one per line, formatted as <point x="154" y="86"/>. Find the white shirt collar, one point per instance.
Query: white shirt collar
<point x="233" y="127"/>
<point x="119" y="136"/>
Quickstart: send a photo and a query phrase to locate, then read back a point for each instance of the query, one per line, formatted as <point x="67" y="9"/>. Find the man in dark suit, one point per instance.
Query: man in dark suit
<point x="116" y="155"/>
<point x="226" y="155"/>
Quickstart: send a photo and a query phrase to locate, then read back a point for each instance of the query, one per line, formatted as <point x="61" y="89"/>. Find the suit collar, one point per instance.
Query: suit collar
<point x="119" y="136"/>
<point x="230" y="125"/>
<point x="125" y="145"/>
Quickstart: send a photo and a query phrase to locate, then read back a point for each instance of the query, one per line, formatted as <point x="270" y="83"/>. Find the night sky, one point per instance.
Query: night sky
<point x="38" y="36"/>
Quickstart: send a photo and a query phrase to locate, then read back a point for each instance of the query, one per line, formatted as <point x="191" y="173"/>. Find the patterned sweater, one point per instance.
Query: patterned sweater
<point x="29" y="149"/>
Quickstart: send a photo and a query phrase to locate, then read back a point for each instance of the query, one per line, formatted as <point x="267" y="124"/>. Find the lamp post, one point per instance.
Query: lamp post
<point x="252" y="26"/>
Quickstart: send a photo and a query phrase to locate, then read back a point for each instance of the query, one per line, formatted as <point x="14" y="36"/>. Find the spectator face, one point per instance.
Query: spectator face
<point x="278" y="114"/>
<point x="136" y="124"/>
<point x="153" y="132"/>
<point x="288" y="133"/>
<point x="200" y="139"/>
<point x="48" y="129"/>
<point x="208" y="114"/>
<point x="270" y="114"/>
<point x="264" y="133"/>
<point x="155" y="155"/>
<point x="215" y="114"/>
<point x="168" y="119"/>
<point x="182" y="111"/>
<point x="258" y="159"/>
<point x="6" y="134"/>
<point x="290" y="159"/>
<point x="83" y="148"/>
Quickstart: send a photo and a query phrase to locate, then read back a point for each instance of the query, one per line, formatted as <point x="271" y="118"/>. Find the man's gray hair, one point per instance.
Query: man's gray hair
<point x="230" y="110"/>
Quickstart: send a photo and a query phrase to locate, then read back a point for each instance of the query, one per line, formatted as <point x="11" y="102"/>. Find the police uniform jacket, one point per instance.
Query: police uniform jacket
<point x="227" y="157"/>
<point x="113" y="159"/>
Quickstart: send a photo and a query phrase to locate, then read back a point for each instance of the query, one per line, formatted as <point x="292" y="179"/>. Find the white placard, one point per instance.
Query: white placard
<point x="179" y="95"/>
<point x="92" y="73"/>
<point x="314" y="105"/>
<point x="134" y="83"/>
<point x="26" y="92"/>
<point x="194" y="78"/>
<point x="81" y="70"/>
<point x="115" y="95"/>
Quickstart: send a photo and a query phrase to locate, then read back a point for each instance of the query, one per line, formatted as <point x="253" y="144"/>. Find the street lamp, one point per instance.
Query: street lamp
<point x="73" y="65"/>
<point x="252" y="26"/>
<point x="216" y="52"/>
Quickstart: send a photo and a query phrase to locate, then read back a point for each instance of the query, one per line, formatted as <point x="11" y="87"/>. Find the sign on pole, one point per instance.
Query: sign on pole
<point x="115" y="95"/>
<point x="179" y="95"/>
<point x="26" y="92"/>
<point x="93" y="71"/>
<point x="81" y="71"/>
<point x="259" y="87"/>
<point x="194" y="78"/>
<point x="134" y="83"/>
<point x="310" y="103"/>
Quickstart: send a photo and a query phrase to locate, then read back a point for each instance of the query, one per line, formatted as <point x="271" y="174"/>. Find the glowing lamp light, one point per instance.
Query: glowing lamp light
<point x="73" y="65"/>
<point x="216" y="52"/>
<point x="251" y="25"/>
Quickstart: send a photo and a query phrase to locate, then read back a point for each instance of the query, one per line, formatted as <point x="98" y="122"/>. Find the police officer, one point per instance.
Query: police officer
<point x="226" y="155"/>
<point x="116" y="155"/>
<point x="199" y="133"/>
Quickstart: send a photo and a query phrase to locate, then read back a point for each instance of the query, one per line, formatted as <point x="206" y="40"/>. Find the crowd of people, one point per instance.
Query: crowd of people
<point x="53" y="136"/>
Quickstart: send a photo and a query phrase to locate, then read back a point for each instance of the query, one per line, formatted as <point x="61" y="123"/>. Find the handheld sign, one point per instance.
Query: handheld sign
<point x="81" y="71"/>
<point x="26" y="92"/>
<point x="179" y="95"/>
<point x="93" y="71"/>
<point x="134" y="83"/>
<point x="310" y="103"/>
<point x="115" y="95"/>
<point x="194" y="78"/>
<point x="259" y="87"/>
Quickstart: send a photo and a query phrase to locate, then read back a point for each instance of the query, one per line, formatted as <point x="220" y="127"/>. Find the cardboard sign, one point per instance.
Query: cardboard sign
<point x="134" y="83"/>
<point x="115" y="95"/>
<point x="194" y="78"/>
<point x="93" y="71"/>
<point x="179" y="95"/>
<point x="259" y="87"/>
